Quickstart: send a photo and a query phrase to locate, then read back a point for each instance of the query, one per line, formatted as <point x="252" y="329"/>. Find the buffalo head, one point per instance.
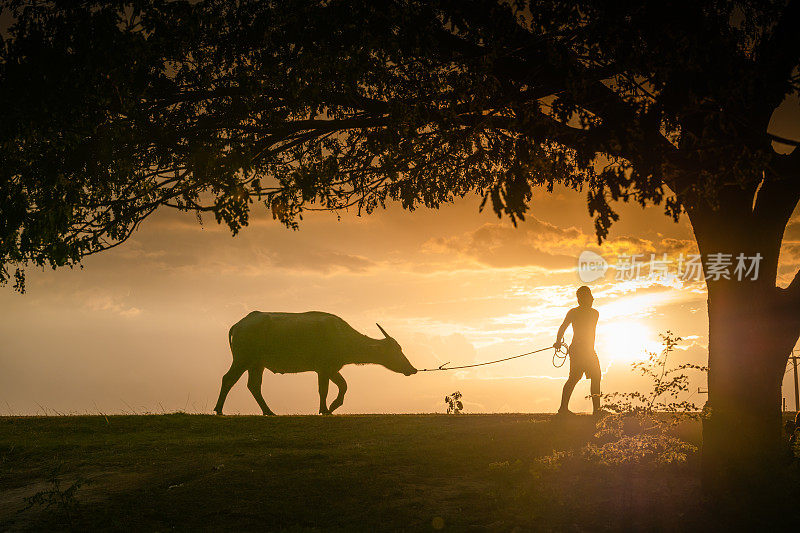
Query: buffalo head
<point x="394" y="359"/>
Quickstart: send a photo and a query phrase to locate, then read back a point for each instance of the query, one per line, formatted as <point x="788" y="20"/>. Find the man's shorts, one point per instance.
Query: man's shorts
<point x="581" y="363"/>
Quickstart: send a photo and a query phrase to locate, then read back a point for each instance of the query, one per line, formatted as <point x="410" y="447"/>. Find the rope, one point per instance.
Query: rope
<point x="562" y="356"/>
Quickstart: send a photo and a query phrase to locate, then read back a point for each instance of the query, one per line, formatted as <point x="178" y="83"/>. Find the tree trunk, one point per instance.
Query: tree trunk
<point x="742" y="439"/>
<point x="751" y="333"/>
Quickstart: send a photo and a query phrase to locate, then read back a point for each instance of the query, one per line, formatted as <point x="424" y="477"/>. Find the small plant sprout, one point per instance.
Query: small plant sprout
<point x="454" y="405"/>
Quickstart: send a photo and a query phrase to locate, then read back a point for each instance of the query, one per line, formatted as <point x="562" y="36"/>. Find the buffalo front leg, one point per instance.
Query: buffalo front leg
<point x="254" y="376"/>
<point x="228" y="380"/>
<point x="339" y="381"/>
<point x="323" y="379"/>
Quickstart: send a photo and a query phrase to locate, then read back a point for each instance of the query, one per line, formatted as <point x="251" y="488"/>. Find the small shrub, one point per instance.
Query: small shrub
<point x="640" y="428"/>
<point x="667" y="384"/>
<point x="639" y="449"/>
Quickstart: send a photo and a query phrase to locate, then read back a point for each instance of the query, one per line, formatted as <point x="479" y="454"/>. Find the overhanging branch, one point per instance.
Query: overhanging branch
<point x="779" y="54"/>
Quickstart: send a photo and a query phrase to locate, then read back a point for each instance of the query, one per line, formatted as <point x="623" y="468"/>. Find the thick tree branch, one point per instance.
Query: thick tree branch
<point x="779" y="193"/>
<point x="539" y="127"/>
<point x="641" y="144"/>
<point x="794" y="286"/>
<point x="783" y="140"/>
<point x="791" y="299"/>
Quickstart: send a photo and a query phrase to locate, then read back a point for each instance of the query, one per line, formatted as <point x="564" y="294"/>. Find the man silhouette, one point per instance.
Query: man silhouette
<point x="582" y="357"/>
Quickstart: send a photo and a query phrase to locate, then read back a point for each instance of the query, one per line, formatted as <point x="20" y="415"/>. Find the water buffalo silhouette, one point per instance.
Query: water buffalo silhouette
<point x="304" y="342"/>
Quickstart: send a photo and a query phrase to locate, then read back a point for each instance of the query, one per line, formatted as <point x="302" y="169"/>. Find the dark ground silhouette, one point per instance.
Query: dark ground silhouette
<point x="362" y="472"/>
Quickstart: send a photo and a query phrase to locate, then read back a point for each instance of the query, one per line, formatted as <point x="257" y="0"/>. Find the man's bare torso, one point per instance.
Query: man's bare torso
<point x="584" y="325"/>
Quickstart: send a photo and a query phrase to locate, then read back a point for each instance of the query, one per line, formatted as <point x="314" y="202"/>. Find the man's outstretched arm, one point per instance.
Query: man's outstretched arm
<point x="563" y="329"/>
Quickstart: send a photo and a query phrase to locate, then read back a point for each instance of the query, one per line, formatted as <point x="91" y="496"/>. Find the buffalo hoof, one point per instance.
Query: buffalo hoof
<point x="326" y="412"/>
<point x="218" y="412"/>
<point x="268" y="413"/>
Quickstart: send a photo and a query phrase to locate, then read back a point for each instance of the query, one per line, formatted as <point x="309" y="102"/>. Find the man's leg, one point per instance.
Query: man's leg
<point x="575" y="375"/>
<point x="595" y="375"/>
<point x="595" y="389"/>
<point x="569" y="386"/>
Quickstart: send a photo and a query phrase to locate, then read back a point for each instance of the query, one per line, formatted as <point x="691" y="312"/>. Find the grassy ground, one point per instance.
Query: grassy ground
<point x="297" y="473"/>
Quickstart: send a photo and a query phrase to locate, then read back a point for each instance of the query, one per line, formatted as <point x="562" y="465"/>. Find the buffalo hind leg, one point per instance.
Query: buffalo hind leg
<point x="254" y="376"/>
<point x="323" y="379"/>
<point x="228" y="380"/>
<point x="339" y="381"/>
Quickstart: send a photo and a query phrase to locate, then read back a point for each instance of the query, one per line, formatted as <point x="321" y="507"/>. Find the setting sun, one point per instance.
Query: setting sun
<point x="626" y="341"/>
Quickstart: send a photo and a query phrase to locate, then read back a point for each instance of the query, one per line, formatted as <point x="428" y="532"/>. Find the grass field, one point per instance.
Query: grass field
<point x="298" y="473"/>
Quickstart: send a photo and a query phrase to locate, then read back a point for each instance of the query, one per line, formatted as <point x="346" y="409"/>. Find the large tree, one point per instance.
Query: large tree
<point x="112" y="110"/>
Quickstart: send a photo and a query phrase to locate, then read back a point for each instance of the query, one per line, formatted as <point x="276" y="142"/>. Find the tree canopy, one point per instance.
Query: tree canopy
<point x="114" y="109"/>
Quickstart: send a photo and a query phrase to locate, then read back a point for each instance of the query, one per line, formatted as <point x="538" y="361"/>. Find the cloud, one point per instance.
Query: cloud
<point x="790" y="253"/>
<point x="534" y="243"/>
<point x="167" y="257"/>
<point x="98" y="302"/>
<point x="678" y="246"/>
<point x="319" y="260"/>
<point x="433" y="350"/>
<point x="789" y="262"/>
<point x="541" y="244"/>
<point x="792" y="232"/>
<point x="193" y="250"/>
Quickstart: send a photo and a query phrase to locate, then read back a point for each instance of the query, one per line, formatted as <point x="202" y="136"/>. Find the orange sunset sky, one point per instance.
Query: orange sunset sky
<point x="143" y="327"/>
